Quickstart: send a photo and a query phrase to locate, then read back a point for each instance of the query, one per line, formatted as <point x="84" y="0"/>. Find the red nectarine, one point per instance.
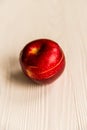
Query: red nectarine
<point x="42" y="59"/>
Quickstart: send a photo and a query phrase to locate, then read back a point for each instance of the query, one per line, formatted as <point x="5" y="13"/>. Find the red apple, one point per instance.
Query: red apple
<point x="42" y="60"/>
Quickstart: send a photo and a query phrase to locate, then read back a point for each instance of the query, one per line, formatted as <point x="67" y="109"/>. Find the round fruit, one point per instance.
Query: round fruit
<point x="42" y="60"/>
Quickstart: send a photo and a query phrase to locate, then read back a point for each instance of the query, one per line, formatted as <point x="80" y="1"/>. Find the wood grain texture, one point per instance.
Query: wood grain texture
<point x="61" y="105"/>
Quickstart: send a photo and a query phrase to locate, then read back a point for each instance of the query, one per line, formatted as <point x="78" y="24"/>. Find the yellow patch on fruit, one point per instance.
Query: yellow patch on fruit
<point x="33" y="50"/>
<point x="29" y="73"/>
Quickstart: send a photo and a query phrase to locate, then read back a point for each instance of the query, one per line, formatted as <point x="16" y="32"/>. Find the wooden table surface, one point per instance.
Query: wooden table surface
<point x="61" y="105"/>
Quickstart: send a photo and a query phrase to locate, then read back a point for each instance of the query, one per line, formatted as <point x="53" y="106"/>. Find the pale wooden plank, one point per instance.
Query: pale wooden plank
<point x="61" y="105"/>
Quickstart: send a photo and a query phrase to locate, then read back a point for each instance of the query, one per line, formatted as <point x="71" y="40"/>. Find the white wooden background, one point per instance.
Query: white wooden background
<point x="61" y="105"/>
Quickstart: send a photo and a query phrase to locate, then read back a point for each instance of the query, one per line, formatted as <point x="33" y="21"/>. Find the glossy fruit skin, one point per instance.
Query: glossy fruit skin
<point x="42" y="60"/>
